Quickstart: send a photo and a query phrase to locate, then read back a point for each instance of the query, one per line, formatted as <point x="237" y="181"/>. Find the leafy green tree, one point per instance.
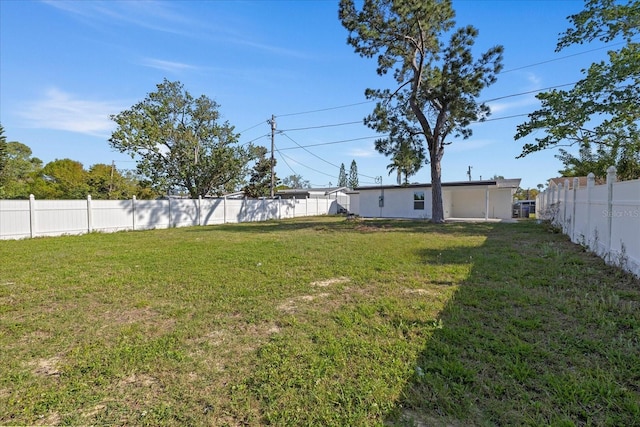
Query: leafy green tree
<point x="437" y="83"/>
<point x="260" y="181"/>
<point x="107" y="182"/>
<point x="353" y="175"/>
<point x="61" y="179"/>
<point x="406" y="159"/>
<point x="342" y="177"/>
<point x="19" y="172"/>
<point x="180" y="142"/>
<point x="295" y="181"/>
<point x="4" y="158"/>
<point x="603" y="108"/>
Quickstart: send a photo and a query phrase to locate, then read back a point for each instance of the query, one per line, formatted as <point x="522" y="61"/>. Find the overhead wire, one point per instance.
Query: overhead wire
<point x="320" y="158"/>
<point x="283" y="159"/>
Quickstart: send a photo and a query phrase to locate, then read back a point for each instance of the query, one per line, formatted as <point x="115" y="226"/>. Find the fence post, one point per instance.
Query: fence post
<point x="294" y="206"/>
<point x="32" y="215"/>
<point x="611" y="179"/>
<point x="306" y="206"/>
<point x="200" y="210"/>
<point x="224" y="209"/>
<point x="89" y="215"/>
<point x="565" y="228"/>
<point x="576" y="184"/>
<point x="264" y="209"/>
<point x="591" y="182"/>
<point x="169" y="197"/>
<point x="133" y="211"/>
<point x="279" y="208"/>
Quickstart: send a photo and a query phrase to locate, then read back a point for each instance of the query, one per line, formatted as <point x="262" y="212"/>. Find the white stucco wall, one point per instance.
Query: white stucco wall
<point x="398" y="203"/>
<point x="458" y="202"/>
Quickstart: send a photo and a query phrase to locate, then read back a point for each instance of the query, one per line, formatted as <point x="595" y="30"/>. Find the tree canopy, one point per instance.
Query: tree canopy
<point x="180" y="142"/>
<point x="295" y="181"/>
<point x="342" y="176"/>
<point x="353" y="175"/>
<point x="437" y="82"/>
<point x="602" y="110"/>
<point x="260" y="180"/>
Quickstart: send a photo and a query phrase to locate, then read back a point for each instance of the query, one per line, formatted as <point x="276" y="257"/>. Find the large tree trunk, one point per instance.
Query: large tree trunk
<point x="437" y="209"/>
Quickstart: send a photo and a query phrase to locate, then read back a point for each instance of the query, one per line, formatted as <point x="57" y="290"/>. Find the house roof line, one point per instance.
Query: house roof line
<point x="500" y="183"/>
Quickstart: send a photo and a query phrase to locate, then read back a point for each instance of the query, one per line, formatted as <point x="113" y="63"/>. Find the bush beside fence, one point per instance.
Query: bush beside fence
<point x="603" y="218"/>
<point x="34" y="218"/>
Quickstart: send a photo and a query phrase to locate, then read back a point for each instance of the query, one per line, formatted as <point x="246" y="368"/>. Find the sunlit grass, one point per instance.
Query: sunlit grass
<point x="316" y="321"/>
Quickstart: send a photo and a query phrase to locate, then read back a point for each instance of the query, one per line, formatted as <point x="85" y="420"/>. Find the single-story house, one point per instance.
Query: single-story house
<point x="311" y="193"/>
<point x="338" y="197"/>
<point x="487" y="199"/>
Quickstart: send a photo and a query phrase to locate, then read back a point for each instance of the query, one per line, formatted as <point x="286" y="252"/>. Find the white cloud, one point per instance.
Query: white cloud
<point x="62" y="111"/>
<point x="462" y="146"/>
<point x="152" y="15"/>
<point x="503" y="107"/>
<point x="362" y="152"/>
<point x="169" y="66"/>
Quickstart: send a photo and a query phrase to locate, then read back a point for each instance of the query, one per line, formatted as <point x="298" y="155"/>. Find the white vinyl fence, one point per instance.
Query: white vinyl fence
<point x="603" y="218"/>
<point x="34" y="218"/>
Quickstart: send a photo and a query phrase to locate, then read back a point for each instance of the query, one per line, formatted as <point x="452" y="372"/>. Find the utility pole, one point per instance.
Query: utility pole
<point x="113" y="168"/>
<point x="469" y="173"/>
<point x="272" y="122"/>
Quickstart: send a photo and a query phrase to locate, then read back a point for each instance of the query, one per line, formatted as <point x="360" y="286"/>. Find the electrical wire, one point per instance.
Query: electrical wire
<point x="324" y="109"/>
<point x="320" y="158"/>
<point x="283" y="159"/>
<point x="333" y="142"/>
<point x="323" y="126"/>
<point x="561" y="58"/>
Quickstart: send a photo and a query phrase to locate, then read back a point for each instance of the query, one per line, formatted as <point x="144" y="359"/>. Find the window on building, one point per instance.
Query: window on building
<point x="418" y="200"/>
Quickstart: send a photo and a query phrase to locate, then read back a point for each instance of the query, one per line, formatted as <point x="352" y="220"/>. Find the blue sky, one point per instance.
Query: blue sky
<point x="65" y="67"/>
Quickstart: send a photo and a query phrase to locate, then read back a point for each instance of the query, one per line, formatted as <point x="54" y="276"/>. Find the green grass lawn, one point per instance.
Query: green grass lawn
<point x="317" y="321"/>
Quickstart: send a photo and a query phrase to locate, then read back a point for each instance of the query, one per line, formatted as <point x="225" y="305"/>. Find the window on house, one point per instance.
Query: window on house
<point x="418" y="200"/>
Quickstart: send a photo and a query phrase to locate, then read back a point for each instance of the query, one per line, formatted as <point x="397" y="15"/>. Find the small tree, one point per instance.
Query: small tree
<point x="260" y="181"/>
<point x="406" y="159"/>
<point x="342" y="177"/>
<point x="295" y="181"/>
<point x="353" y="175"/>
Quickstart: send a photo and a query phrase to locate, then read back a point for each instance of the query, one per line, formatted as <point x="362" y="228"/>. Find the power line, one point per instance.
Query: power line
<point x="314" y="155"/>
<point x="252" y="127"/>
<point x="561" y="58"/>
<point x="285" y="160"/>
<point x="324" y="109"/>
<point x="333" y="142"/>
<point x="308" y="167"/>
<point x="528" y="92"/>
<point x="320" y="158"/>
<point x="323" y="126"/>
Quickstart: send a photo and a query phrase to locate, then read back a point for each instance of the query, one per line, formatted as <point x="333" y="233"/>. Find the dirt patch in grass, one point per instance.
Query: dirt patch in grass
<point x="153" y="323"/>
<point x="46" y="367"/>
<point x="294" y="304"/>
<point x="329" y="282"/>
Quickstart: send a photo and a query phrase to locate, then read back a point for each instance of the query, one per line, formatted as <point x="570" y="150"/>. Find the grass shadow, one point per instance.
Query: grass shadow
<point x="540" y="333"/>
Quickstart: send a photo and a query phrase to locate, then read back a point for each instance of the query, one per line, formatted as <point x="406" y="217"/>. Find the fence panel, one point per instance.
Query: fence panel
<point x="625" y="221"/>
<point x="604" y="218"/>
<point x="184" y="212"/>
<point x="150" y="214"/>
<point x="57" y="217"/>
<point x="28" y="218"/>
<point x="15" y="219"/>
<point x="112" y="215"/>
<point x="212" y="211"/>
